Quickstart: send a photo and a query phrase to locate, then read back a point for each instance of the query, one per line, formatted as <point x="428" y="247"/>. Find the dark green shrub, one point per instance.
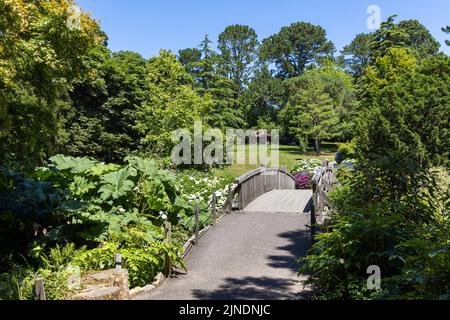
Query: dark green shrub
<point x="346" y="151"/>
<point x="17" y="284"/>
<point x="406" y="236"/>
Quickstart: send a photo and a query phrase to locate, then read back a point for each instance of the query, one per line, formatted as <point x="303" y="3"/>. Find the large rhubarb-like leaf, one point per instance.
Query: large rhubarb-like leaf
<point x="117" y="184"/>
<point x="75" y="165"/>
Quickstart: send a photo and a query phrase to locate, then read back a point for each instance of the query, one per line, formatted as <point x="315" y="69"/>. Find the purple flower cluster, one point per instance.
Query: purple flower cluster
<point x="302" y="180"/>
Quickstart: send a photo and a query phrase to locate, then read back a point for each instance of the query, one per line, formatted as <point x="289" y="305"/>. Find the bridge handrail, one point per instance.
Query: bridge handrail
<point x="248" y="188"/>
<point x="245" y="177"/>
<point x="320" y="175"/>
<point x="322" y="182"/>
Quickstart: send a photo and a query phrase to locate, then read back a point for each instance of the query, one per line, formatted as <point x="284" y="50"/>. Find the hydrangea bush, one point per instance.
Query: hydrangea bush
<point x="311" y="166"/>
<point x="348" y="164"/>
<point x="304" y="171"/>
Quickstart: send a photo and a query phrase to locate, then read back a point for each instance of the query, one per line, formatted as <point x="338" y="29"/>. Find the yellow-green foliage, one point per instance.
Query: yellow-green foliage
<point x="40" y="54"/>
<point x="172" y="103"/>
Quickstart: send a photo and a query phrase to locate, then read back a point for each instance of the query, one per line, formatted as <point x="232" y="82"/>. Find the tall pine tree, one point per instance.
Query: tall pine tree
<point x="223" y="110"/>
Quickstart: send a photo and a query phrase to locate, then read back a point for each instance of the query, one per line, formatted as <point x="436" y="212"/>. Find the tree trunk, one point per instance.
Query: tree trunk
<point x="317" y="146"/>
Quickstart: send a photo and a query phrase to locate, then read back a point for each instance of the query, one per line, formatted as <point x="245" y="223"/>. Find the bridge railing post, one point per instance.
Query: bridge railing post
<point x="313" y="222"/>
<point x="230" y="199"/>
<point x="197" y="224"/>
<point x="314" y="208"/>
<point x="167" y="240"/>
<point x="279" y="179"/>
<point x="214" y="209"/>
<point x="323" y="182"/>
<point x="39" y="288"/>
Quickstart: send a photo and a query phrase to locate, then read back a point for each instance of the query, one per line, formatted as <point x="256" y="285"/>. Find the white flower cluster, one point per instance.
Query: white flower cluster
<point x="163" y="215"/>
<point x="310" y="166"/>
<point x="205" y="181"/>
<point x="199" y="189"/>
<point x="196" y="197"/>
<point x="222" y="195"/>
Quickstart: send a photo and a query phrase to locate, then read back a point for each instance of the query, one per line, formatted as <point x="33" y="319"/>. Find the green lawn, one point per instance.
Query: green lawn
<point x="289" y="155"/>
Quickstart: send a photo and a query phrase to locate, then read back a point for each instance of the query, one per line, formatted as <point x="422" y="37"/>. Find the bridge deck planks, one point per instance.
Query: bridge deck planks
<point x="287" y="201"/>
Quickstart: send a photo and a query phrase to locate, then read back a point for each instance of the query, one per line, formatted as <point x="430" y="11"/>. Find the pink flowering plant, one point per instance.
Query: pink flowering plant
<point x="302" y="180"/>
<point x="304" y="171"/>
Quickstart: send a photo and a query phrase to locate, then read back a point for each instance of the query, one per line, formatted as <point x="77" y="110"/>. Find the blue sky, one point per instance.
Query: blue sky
<point x="146" y="26"/>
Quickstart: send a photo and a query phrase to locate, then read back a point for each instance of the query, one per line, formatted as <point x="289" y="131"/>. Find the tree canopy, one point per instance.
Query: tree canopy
<point x="82" y="99"/>
<point x="319" y="105"/>
<point x="446" y="30"/>
<point x="406" y="114"/>
<point x="263" y="99"/>
<point x="358" y="54"/>
<point x="409" y="34"/>
<point x="105" y="105"/>
<point x="40" y="54"/>
<point x="296" y="47"/>
<point x="171" y="104"/>
<point x="238" y="46"/>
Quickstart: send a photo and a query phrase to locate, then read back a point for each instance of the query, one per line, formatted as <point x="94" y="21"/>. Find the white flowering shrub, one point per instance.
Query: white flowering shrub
<point x="197" y="188"/>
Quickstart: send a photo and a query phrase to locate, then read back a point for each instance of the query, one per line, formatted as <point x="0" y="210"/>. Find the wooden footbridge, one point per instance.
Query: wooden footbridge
<point x="252" y="250"/>
<point x="272" y="190"/>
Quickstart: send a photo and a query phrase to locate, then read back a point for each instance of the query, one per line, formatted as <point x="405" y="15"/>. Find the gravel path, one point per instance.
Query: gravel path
<point x="247" y="256"/>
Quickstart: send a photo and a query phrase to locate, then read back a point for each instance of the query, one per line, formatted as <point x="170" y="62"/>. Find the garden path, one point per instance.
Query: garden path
<point x="248" y="255"/>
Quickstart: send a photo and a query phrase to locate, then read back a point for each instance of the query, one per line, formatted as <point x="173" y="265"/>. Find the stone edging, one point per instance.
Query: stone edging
<point x="159" y="280"/>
